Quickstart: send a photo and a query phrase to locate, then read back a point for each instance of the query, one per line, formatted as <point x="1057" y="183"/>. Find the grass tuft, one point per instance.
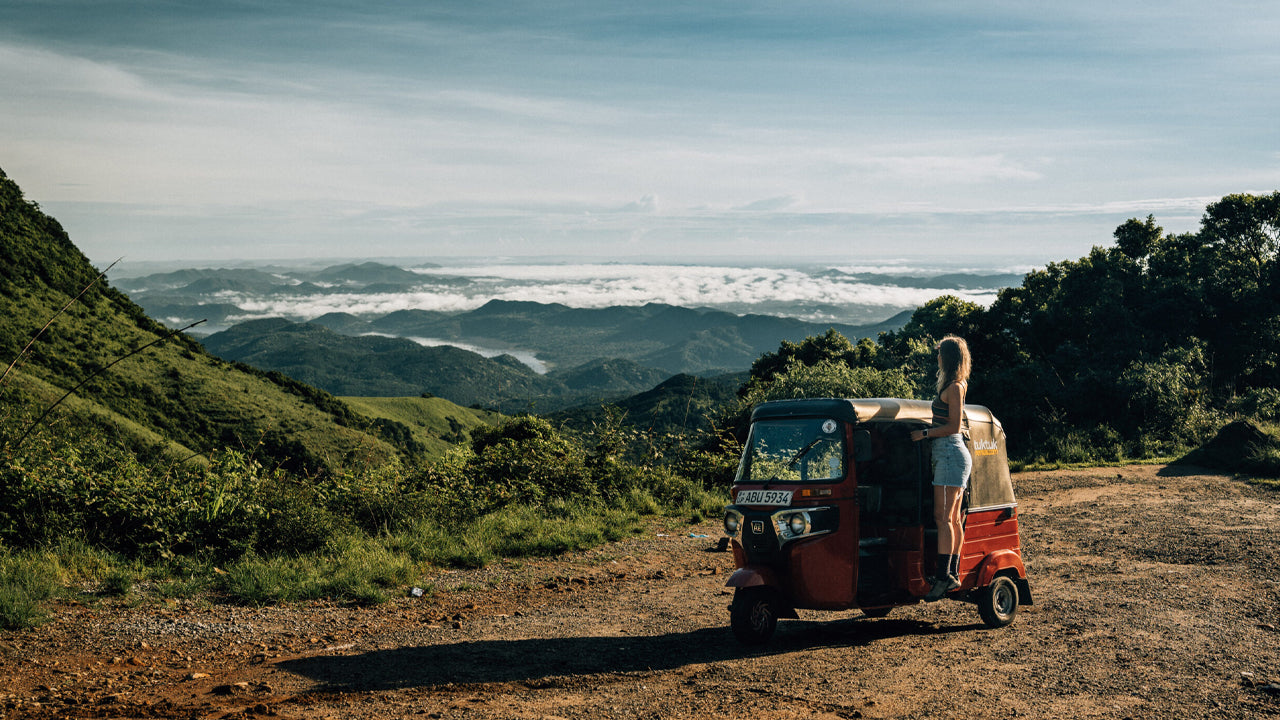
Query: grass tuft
<point x="27" y="580"/>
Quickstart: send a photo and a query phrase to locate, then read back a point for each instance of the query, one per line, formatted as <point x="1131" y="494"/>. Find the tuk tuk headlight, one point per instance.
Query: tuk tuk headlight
<point x="803" y="524"/>
<point x="791" y="525"/>
<point x="798" y="524"/>
<point x="732" y="523"/>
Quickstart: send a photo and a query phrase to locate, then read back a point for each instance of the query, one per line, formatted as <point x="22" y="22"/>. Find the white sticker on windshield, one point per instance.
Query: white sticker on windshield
<point x="829" y="427"/>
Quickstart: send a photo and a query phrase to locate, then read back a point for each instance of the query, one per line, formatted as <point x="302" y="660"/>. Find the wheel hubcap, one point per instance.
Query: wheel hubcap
<point x="760" y="616"/>
<point x="1004" y="601"/>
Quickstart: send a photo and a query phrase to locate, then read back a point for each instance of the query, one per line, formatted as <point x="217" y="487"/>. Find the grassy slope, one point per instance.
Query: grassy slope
<point x="435" y="422"/>
<point x="175" y="390"/>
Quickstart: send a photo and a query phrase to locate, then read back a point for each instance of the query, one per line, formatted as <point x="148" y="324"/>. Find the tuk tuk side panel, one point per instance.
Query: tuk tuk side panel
<point x="987" y="533"/>
<point x="991" y="522"/>
<point x="891" y="567"/>
<point x="821" y="571"/>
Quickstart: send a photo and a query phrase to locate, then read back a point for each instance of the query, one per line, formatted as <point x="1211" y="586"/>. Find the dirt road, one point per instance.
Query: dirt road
<point x="1157" y="596"/>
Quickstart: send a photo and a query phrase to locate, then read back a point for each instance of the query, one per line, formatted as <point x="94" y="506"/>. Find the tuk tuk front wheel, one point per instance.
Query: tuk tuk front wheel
<point x="998" y="602"/>
<point x="753" y="615"/>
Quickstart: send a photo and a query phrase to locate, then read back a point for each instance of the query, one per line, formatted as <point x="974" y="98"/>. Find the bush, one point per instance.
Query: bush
<point x="526" y="460"/>
<point x="1169" y="397"/>
<point x="377" y="499"/>
<point x="118" y="582"/>
<point x="1077" y="446"/>
<point x="1259" y="403"/>
<point x="295" y="518"/>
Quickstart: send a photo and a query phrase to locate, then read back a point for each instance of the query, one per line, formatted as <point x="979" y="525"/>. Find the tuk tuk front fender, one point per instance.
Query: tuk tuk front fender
<point x="758" y="577"/>
<point x="752" y="577"/>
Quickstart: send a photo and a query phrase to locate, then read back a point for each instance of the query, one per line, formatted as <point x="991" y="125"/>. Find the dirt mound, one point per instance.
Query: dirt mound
<point x="1238" y="447"/>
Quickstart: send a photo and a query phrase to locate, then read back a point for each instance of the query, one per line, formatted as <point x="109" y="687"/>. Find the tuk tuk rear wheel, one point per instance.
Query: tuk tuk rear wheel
<point x="998" y="602"/>
<point x="753" y="615"/>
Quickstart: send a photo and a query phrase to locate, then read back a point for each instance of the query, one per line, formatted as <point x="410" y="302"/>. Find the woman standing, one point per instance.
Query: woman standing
<point x="952" y="463"/>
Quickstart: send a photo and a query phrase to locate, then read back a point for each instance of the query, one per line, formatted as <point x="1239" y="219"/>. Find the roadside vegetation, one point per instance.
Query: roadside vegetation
<point x="174" y="474"/>
<point x="245" y="532"/>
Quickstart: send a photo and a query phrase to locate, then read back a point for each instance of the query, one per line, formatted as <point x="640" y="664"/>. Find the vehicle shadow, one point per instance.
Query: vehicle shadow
<point x="537" y="659"/>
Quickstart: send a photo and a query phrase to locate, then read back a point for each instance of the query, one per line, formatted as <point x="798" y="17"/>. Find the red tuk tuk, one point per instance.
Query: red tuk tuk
<point x="833" y="510"/>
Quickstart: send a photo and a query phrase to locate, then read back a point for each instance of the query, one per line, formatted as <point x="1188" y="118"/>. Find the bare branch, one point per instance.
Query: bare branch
<point x="55" y="317"/>
<point x="97" y="372"/>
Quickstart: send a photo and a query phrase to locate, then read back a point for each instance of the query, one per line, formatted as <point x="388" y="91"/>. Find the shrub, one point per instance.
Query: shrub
<point x="1260" y="403"/>
<point x="376" y="499"/>
<point x="117" y="582"/>
<point x="525" y="460"/>
<point x="295" y="517"/>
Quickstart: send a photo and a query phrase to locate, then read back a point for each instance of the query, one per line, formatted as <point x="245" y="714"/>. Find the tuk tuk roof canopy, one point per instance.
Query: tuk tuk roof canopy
<point x="991" y="484"/>
<point x="862" y="410"/>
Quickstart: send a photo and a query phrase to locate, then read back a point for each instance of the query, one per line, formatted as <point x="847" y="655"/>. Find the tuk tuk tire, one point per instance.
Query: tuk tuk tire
<point x="998" y="602"/>
<point x="754" y="614"/>
<point x="876" y="612"/>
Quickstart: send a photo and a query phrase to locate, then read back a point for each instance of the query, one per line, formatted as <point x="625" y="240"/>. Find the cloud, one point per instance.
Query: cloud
<point x="950" y="169"/>
<point x="286" y="129"/>
<point x="787" y="291"/>
<point x="646" y="204"/>
<point x="772" y="204"/>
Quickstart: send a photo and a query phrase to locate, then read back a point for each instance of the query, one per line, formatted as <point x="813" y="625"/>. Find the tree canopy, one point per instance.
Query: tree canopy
<point x="1144" y="347"/>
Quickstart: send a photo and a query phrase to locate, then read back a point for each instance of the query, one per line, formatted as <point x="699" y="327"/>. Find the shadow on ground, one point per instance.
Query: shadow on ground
<point x="534" y="660"/>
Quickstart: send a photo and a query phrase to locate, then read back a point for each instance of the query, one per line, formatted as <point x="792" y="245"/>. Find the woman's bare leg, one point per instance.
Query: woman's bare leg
<point x="955" y="524"/>
<point x="942" y="518"/>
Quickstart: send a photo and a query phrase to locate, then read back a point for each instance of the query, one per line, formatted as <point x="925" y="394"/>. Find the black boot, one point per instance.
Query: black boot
<point x="948" y="576"/>
<point x="942" y="579"/>
<point x="954" y="569"/>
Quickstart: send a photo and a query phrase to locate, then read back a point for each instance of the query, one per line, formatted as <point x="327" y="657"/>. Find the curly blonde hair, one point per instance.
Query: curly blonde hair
<point x="954" y="354"/>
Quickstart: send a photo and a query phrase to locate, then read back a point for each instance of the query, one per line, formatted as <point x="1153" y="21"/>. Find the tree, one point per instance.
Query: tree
<point x="1240" y="239"/>
<point x="1136" y="239"/>
<point x="831" y="346"/>
<point x="1246" y="231"/>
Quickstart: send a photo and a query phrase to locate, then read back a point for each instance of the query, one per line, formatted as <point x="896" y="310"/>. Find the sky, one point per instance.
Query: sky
<point x="744" y="131"/>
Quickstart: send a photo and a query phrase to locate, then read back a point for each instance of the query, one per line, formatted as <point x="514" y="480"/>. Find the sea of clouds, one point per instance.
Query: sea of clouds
<point x="819" y="293"/>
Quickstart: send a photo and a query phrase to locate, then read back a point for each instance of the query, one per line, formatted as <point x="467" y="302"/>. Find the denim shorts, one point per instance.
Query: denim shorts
<point x="952" y="463"/>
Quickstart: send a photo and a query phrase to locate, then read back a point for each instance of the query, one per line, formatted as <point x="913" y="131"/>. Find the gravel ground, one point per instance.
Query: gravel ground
<point x="1157" y="596"/>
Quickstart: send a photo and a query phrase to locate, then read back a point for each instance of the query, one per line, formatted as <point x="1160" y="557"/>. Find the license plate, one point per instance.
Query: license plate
<point x="764" y="497"/>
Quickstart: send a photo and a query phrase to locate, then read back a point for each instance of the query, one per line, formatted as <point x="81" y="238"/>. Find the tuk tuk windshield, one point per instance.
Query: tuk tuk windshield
<point x="793" y="450"/>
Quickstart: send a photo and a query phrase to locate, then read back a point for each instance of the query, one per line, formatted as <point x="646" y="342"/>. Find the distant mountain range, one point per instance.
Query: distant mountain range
<point x="596" y="354"/>
<point x="377" y="366"/>
<point x="515" y="355"/>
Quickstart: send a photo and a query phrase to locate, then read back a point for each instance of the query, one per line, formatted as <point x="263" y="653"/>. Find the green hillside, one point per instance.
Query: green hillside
<point x="679" y="405"/>
<point x="373" y="365"/>
<point x="173" y="397"/>
<point x="435" y="423"/>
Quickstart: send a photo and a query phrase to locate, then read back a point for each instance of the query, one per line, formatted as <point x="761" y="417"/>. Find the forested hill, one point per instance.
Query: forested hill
<point x="173" y="397"/>
<point x="1144" y="347"/>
